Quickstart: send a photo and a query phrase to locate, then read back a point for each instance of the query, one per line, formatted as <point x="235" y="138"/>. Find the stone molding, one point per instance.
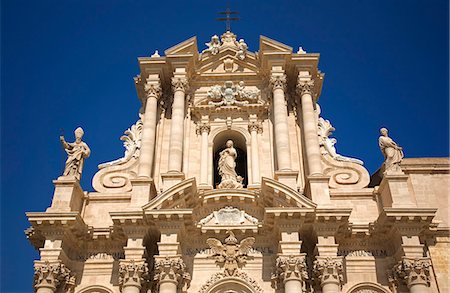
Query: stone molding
<point x="305" y="86"/>
<point x="52" y="275"/>
<point x="180" y="84"/>
<point x="172" y="270"/>
<point x="329" y="270"/>
<point x="289" y="268"/>
<point x="133" y="273"/>
<point x="224" y="277"/>
<point x="413" y="271"/>
<point x="278" y="82"/>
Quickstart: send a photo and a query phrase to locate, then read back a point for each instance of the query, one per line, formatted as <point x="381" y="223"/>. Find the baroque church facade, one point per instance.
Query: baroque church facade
<point x="231" y="182"/>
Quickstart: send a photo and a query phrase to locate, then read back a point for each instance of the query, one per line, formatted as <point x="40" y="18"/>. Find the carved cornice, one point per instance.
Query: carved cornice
<point x="133" y="273"/>
<point x="180" y="84"/>
<point x="152" y="88"/>
<point x="172" y="270"/>
<point x="51" y="275"/>
<point x="305" y="86"/>
<point x="329" y="270"/>
<point x="289" y="268"/>
<point x="278" y="82"/>
<point x="413" y="271"/>
<point x="203" y="127"/>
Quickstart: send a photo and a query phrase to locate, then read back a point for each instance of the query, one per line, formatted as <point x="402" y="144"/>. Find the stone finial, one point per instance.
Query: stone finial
<point x="155" y="55"/>
<point x="51" y="275"/>
<point x="133" y="273"/>
<point x="290" y="268"/>
<point x="173" y="270"/>
<point x="393" y="153"/>
<point x="329" y="270"/>
<point x="278" y="81"/>
<point x="76" y="151"/>
<point x="301" y="51"/>
<point x="413" y="271"/>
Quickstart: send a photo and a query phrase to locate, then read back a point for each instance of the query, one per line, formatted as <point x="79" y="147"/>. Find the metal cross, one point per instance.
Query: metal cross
<point x="228" y="19"/>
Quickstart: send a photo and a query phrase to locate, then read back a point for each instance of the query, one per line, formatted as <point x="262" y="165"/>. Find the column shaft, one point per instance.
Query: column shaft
<point x="332" y="287"/>
<point x="310" y="132"/>
<point x="281" y="129"/>
<point x="131" y="289"/>
<point x="148" y="138"/>
<point x="168" y="287"/>
<point x="176" y="132"/>
<point x="204" y="158"/>
<point x="419" y="288"/>
<point x="255" y="155"/>
<point x="293" y="286"/>
<point x="45" y="290"/>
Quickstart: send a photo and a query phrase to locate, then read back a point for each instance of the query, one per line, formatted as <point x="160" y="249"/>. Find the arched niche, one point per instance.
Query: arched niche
<point x="240" y="282"/>
<point x="95" y="289"/>
<point x="219" y="139"/>
<point x="367" y="287"/>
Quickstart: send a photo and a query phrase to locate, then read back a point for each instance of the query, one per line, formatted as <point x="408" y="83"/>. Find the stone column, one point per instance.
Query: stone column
<point x="329" y="273"/>
<point x="304" y="88"/>
<point x="415" y="273"/>
<point x="171" y="274"/>
<point x="179" y="83"/>
<point x="203" y="129"/>
<point x="132" y="275"/>
<point x="49" y="276"/>
<point x="254" y="128"/>
<point x="291" y="273"/>
<point x="153" y="92"/>
<point x="278" y="83"/>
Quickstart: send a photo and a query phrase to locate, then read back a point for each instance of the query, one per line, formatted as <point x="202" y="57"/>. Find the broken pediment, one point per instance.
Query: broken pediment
<point x="276" y="194"/>
<point x="267" y="45"/>
<point x="185" y="48"/>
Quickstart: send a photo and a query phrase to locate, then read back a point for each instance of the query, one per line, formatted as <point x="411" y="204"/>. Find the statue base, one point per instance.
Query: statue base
<point x="229" y="184"/>
<point x="171" y="178"/>
<point x="288" y="178"/>
<point x="143" y="190"/>
<point x="68" y="195"/>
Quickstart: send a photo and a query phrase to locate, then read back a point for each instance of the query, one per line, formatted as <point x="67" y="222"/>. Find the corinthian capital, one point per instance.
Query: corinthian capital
<point x="329" y="270"/>
<point x="152" y="88"/>
<point x="305" y="86"/>
<point x="255" y="126"/>
<point x="203" y="127"/>
<point x="172" y="270"/>
<point x="413" y="271"/>
<point x="47" y="275"/>
<point x="132" y="273"/>
<point x="278" y="81"/>
<point x="179" y="83"/>
<point x="289" y="268"/>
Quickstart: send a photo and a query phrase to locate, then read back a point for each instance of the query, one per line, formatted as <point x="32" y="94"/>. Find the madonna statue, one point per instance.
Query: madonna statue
<point x="227" y="165"/>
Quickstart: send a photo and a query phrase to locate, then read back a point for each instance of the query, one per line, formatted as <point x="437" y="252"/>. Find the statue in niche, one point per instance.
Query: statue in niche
<point x="213" y="46"/>
<point x="76" y="151"/>
<point x="393" y="153"/>
<point x="227" y="166"/>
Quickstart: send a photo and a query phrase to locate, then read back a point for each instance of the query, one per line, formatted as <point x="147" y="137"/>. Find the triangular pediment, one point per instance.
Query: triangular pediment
<point x="268" y="45"/>
<point x="188" y="47"/>
<point x="226" y="62"/>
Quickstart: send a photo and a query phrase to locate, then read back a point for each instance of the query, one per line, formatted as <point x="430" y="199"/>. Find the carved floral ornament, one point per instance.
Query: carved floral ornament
<point x="174" y="270"/>
<point x="329" y="270"/>
<point x="278" y="81"/>
<point x="133" y="274"/>
<point x="290" y="268"/>
<point x="411" y="272"/>
<point x="53" y="276"/>
<point x="180" y="84"/>
<point x="305" y="86"/>
<point x="152" y="88"/>
<point x="230" y="94"/>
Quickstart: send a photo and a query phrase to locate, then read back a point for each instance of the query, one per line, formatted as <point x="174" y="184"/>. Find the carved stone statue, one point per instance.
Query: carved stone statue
<point x="213" y="46"/>
<point x="242" y="49"/>
<point x="231" y="255"/>
<point x="393" y="153"/>
<point x="76" y="151"/>
<point x="227" y="166"/>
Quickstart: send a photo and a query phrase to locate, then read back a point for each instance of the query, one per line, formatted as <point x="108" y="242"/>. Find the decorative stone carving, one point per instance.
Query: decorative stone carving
<point x="152" y="88"/>
<point x="229" y="95"/>
<point x="305" y="86"/>
<point x="76" y="151"/>
<point x="213" y="46"/>
<point x="203" y="127"/>
<point x="278" y="82"/>
<point x="133" y="273"/>
<point x="49" y="275"/>
<point x="393" y="153"/>
<point x="174" y="270"/>
<point x="131" y="142"/>
<point x="255" y="126"/>
<point x="242" y="49"/>
<point x="329" y="270"/>
<point x="413" y="271"/>
<point x="226" y="167"/>
<point x="360" y="253"/>
<point x="223" y="276"/>
<point x="179" y="84"/>
<point x="228" y="216"/>
<point x="325" y="129"/>
<point x="231" y="255"/>
<point x="290" y="268"/>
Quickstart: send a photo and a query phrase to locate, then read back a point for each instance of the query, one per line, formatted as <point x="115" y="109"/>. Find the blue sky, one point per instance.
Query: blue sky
<point x="70" y="63"/>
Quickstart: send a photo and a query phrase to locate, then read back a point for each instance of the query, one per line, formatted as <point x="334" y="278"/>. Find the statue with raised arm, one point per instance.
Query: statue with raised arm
<point x="76" y="151"/>
<point x="227" y="165"/>
<point x="393" y="153"/>
<point x="213" y="46"/>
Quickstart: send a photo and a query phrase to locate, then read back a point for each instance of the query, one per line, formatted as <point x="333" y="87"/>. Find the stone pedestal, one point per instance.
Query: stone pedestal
<point x="171" y="178"/>
<point x="143" y="191"/>
<point x="288" y="178"/>
<point x="394" y="192"/>
<point x="317" y="189"/>
<point x="68" y="195"/>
